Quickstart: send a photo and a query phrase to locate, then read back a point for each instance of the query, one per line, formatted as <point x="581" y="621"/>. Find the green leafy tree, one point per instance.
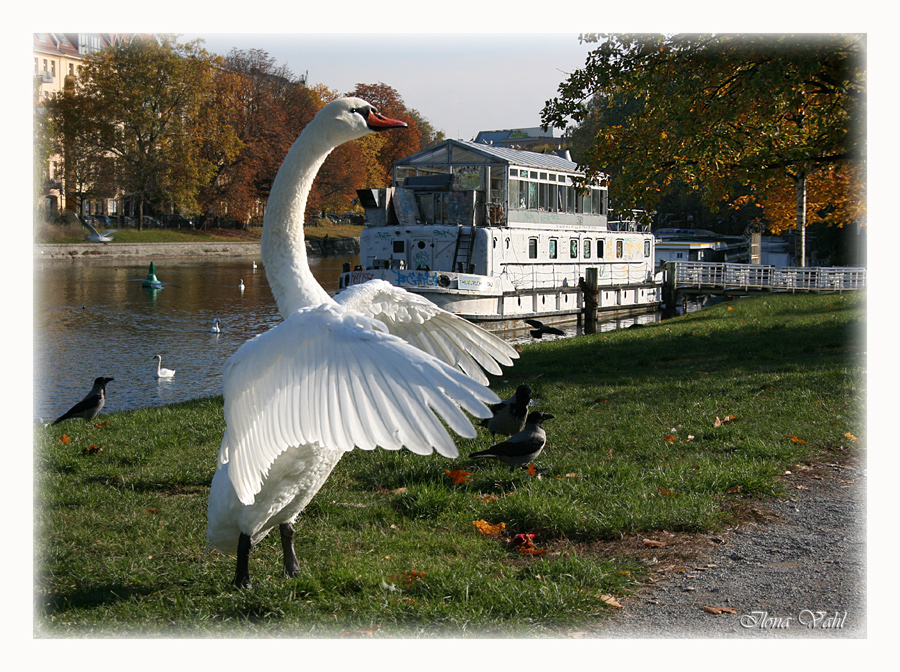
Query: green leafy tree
<point x="89" y="172"/>
<point x="144" y="102"/>
<point x="430" y="135"/>
<point x="739" y="118"/>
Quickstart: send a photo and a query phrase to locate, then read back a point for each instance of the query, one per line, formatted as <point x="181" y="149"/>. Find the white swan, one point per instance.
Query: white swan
<point x="254" y="266"/>
<point x="329" y="377"/>
<point x="96" y="237"/>
<point x="241" y="285"/>
<point x="161" y="372"/>
<point x="215" y="328"/>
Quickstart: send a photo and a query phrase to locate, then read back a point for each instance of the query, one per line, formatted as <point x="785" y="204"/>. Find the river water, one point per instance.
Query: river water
<point x="91" y="319"/>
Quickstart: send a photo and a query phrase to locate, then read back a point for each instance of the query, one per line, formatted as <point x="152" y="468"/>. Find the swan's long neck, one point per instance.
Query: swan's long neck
<point x="283" y="245"/>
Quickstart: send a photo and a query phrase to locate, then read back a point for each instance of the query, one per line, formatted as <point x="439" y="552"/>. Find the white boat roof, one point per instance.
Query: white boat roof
<point x="443" y="153"/>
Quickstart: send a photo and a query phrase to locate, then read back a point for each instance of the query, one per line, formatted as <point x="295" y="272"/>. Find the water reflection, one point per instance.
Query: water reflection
<point x="92" y="320"/>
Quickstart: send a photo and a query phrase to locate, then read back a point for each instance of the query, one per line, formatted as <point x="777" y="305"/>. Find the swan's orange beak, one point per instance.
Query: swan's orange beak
<point x="379" y="122"/>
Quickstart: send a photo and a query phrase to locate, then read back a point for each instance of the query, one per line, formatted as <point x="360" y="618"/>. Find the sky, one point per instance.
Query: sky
<point x="462" y="83"/>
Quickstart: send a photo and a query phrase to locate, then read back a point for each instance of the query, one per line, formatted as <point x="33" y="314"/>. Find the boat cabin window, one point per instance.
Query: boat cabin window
<point x="399" y="247"/>
<point x="646" y="248"/>
<point x="532" y="203"/>
<point x="561" y="198"/>
<point x="587" y="249"/>
<point x="553" y="248"/>
<point x="600" y="248"/>
<point x="549" y="192"/>
<point x="620" y="249"/>
<point x="513" y="194"/>
<point x="573" y="248"/>
<point x="532" y="248"/>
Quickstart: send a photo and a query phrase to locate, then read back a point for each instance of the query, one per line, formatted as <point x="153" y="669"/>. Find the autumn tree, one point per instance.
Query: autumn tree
<point x="145" y="102"/>
<point x="775" y="120"/>
<point x="393" y="146"/>
<point x="267" y="108"/>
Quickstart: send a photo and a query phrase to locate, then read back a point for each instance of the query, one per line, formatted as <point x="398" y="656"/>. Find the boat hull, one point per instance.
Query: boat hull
<point x="482" y="300"/>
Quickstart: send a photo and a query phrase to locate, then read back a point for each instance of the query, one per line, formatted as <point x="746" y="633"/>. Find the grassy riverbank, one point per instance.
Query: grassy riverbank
<point x="73" y="234"/>
<point x="662" y="432"/>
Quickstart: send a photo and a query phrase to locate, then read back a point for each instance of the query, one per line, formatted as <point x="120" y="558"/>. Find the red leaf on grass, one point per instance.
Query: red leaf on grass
<point x="408" y="578"/>
<point x="458" y="476"/>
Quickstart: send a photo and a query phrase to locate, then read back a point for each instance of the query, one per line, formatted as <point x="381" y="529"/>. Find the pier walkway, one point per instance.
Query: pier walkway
<point x="695" y="277"/>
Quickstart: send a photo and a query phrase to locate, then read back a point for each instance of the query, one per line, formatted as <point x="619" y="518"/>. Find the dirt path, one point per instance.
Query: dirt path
<point x="796" y="569"/>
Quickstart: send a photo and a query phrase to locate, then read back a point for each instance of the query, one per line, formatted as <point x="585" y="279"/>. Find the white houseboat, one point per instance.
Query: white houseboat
<point x="499" y="235"/>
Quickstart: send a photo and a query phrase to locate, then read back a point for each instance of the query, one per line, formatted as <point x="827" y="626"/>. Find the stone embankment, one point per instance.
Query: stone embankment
<point x="78" y="251"/>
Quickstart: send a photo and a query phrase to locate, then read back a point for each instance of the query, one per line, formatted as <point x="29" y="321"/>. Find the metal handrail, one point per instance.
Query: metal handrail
<point x="699" y="274"/>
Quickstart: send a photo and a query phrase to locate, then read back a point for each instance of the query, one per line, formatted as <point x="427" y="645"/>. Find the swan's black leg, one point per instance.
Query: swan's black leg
<point x="291" y="566"/>
<point x="242" y="575"/>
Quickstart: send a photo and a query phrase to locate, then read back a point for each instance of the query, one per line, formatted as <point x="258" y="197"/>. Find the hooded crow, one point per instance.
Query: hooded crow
<point x="90" y="406"/>
<point x="523" y="447"/>
<point x="509" y="415"/>
<point x="540" y="329"/>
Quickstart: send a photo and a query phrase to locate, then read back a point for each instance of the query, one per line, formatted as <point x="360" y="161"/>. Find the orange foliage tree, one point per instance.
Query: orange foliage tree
<point x="392" y="146"/>
<point x="268" y="108"/>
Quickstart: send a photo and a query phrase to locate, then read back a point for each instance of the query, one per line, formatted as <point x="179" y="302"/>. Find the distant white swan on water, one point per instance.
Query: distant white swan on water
<point x="160" y="371"/>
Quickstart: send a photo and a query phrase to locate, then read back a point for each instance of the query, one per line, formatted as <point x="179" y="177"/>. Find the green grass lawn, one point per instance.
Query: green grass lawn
<point x="388" y="546"/>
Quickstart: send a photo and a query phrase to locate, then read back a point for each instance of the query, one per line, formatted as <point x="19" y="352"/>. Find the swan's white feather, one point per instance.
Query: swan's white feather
<point x="430" y="328"/>
<point x="381" y="368"/>
<point x="329" y="376"/>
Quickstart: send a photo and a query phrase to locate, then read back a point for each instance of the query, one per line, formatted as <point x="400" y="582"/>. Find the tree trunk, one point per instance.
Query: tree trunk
<point x="801" y="216"/>
<point x="140" y="213"/>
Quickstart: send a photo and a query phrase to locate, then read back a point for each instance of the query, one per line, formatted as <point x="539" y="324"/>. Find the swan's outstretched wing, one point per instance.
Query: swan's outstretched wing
<point x="418" y="321"/>
<point x="331" y="376"/>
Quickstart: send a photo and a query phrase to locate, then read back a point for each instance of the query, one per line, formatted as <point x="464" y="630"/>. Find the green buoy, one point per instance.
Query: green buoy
<point x="151" y="280"/>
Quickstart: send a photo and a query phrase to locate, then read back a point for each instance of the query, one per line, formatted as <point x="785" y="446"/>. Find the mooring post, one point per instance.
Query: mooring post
<point x="590" y="294"/>
<point x="670" y="290"/>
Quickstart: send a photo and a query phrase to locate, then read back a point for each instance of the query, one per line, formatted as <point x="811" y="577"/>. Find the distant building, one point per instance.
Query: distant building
<point x="675" y="244"/>
<point x="58" y="56"/>
<point x="519" y="138"/>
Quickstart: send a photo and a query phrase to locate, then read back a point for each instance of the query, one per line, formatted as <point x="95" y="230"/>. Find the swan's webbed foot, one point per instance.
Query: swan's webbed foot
<point x="291" y="565"/>
<point x="242" y="574"/>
